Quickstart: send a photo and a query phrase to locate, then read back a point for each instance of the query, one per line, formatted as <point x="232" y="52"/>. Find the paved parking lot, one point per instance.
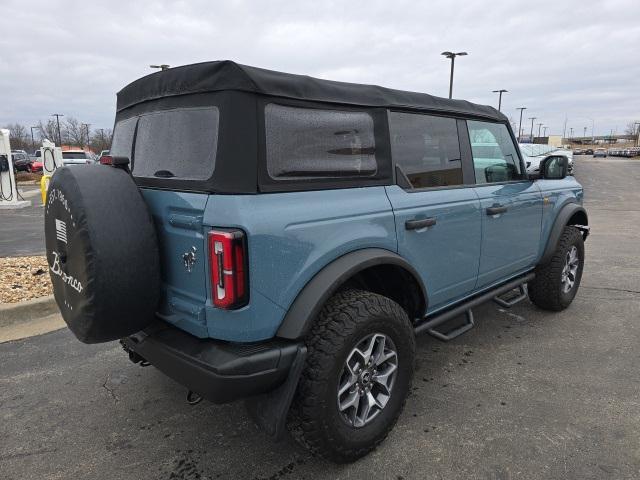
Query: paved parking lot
<point x="525" y="395"/>
<point x="22" y="228"/>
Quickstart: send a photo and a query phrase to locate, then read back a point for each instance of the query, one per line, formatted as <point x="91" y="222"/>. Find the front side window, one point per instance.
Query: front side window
<point x="180" y="143"/>
<point x="306" y="143"/>
<point x="426" y="148"/>
<point x="495" y="158"/>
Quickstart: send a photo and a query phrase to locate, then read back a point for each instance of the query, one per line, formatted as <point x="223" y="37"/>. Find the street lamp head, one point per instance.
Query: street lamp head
<point x="452" y="54"/>
<point x="162" y="66"/>
<point x="502" y="90"/>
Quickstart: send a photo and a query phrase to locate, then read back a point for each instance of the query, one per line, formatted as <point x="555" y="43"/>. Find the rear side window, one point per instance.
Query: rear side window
<point x="180" y="143"/>
<point x="426" y="148"/>
<point x="306" y="143"/>
<point x="122" y="142"/>
<point x="495" y="158"/>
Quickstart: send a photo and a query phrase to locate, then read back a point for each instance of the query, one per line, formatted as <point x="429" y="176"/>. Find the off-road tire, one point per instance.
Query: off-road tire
<point x="314" y="418"/>
<point x="545" y="290"/>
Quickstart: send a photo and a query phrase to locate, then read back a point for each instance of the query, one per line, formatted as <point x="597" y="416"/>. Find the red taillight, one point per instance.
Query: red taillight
<point x="227" y="263"/>
<point x="106" y="160"/>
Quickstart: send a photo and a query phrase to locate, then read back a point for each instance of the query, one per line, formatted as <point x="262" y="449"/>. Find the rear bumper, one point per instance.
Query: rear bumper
<point x="218" y="371"/>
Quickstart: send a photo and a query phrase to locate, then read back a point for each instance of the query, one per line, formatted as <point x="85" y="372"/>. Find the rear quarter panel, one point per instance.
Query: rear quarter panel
<point x="292" y="236"/>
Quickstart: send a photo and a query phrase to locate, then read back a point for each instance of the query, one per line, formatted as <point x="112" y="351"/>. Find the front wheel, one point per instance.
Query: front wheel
<point x="557" y="282"/>
<point x="357" y="376"/>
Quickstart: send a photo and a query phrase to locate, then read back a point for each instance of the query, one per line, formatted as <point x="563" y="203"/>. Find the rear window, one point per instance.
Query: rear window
<point x="306" y="143"/>
<point x="122" y="142"/>
<point x="426" y="148"/>
<point x="74" y="155"/>
<point x="178" y="143"/>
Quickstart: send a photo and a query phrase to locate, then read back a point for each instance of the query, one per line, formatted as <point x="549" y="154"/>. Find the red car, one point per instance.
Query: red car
<point x="35" y="167"/>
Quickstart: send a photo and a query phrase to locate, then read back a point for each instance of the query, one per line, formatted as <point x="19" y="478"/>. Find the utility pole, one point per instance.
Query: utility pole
<point x="539" y="127"/>
<point x="58" y="115"/>
<point x="532" y="119"/>
<point x="86" y="125"/>
<point x="564" y="129"/>
<point x="33" y="142"/>
<point x="500" y="92"/>
<point x="452" y="56"/>
<point x="520" y="124"/>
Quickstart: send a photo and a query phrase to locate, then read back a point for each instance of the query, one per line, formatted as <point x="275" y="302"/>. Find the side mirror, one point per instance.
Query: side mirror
<point x="555" y="167"/>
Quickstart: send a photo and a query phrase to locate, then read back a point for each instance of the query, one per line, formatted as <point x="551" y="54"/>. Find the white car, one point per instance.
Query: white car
<point x="533" y="154"/>
<point x="77" y="157"/>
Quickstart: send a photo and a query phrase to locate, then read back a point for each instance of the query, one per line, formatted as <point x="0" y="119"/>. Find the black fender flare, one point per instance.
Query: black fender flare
<point x="561" y="221"/>
<point x="318" y="290"/>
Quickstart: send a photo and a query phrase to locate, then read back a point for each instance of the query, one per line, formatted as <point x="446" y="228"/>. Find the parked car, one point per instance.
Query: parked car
<point x="535" y="154"/>
<point x="76" y="157"/>
<point x="588" y="151"/>
<point x="21" y="161"/>
<point x="578" y="151"/>
<point x="600" y="152"/>
<point x="296" y="267"/>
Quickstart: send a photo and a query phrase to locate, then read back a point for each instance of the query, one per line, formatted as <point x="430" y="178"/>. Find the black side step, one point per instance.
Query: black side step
<point x="510" y="301"/>
<point x="465" y="308"/>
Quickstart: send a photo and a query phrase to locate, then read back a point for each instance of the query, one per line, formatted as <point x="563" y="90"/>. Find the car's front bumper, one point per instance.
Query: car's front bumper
<point x="216" y="370"/>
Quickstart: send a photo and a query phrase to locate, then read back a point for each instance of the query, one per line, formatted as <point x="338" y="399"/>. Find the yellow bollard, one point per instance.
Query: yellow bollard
<point x="44" y="186"/>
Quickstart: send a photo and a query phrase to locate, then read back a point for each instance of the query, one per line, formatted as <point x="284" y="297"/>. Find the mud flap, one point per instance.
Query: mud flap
<point x="269" y="410"/>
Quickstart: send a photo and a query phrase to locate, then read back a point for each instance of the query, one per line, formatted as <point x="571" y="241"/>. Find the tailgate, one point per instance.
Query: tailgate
<point x="183" y="257"/>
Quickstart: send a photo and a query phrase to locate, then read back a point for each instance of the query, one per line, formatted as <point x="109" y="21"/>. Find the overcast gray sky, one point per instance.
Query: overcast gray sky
<point x="577" y="58"/>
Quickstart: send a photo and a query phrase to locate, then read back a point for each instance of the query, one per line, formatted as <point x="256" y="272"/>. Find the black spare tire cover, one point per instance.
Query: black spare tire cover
<point x="102" y="251"/>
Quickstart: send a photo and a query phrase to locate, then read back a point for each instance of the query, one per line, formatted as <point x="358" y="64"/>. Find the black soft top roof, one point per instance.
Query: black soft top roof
<point x="228" y="75"/>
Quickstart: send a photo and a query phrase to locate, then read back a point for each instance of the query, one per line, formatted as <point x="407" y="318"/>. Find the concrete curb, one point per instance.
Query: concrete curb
<point x="29" y="310"/>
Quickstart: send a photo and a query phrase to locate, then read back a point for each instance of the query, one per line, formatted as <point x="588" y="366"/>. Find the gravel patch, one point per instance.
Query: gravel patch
<point x="24" y="278"/>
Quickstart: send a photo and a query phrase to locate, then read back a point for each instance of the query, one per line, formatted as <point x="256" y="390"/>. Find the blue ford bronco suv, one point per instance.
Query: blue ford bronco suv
<point x="283" y="239"/>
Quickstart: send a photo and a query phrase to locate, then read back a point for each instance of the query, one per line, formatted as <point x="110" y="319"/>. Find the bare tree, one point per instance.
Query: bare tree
<point x="631" y="128"/>
<point x="101" y="139"/>
<point x="74" y="132"/>
<point x="49" y="130"/>
<point x="19" y="137"/>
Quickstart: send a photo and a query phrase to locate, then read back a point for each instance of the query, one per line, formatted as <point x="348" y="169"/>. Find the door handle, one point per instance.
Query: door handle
<point x="495" y="210"/>
<point x="420" y="223"/>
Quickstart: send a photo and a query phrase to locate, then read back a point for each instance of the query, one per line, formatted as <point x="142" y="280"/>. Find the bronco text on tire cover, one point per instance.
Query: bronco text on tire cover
<point x="102" y="253"/>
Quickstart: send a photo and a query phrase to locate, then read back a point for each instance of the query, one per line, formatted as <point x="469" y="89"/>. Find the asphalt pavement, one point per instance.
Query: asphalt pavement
<point x="527" y="394"/>
<point x="22" y="229"/>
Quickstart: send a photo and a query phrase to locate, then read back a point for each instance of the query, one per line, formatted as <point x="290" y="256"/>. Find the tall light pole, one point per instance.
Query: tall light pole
<point x="86" y="125"/>
<point x="522" y="109"/>
<point x="584" y="132"/>
<point x="452" y="56"/>
<point x="570" y="134"/>
<point x="531" y="135"/>
<point x="500" y="92"/>
<point x="33" y="142"/>
<point x="162" y="66"/>
<point x="539" y="127"/>
<point x="58" y="115"/>
<point x="544" y="129"/>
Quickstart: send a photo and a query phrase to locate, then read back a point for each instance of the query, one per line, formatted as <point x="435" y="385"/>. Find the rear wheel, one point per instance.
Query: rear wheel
<point x="557" y="282"/>
<point x="357" y="376"/>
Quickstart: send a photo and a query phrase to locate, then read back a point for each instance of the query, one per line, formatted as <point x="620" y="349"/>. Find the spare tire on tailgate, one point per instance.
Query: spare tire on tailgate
<point x="102" y="251"/>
